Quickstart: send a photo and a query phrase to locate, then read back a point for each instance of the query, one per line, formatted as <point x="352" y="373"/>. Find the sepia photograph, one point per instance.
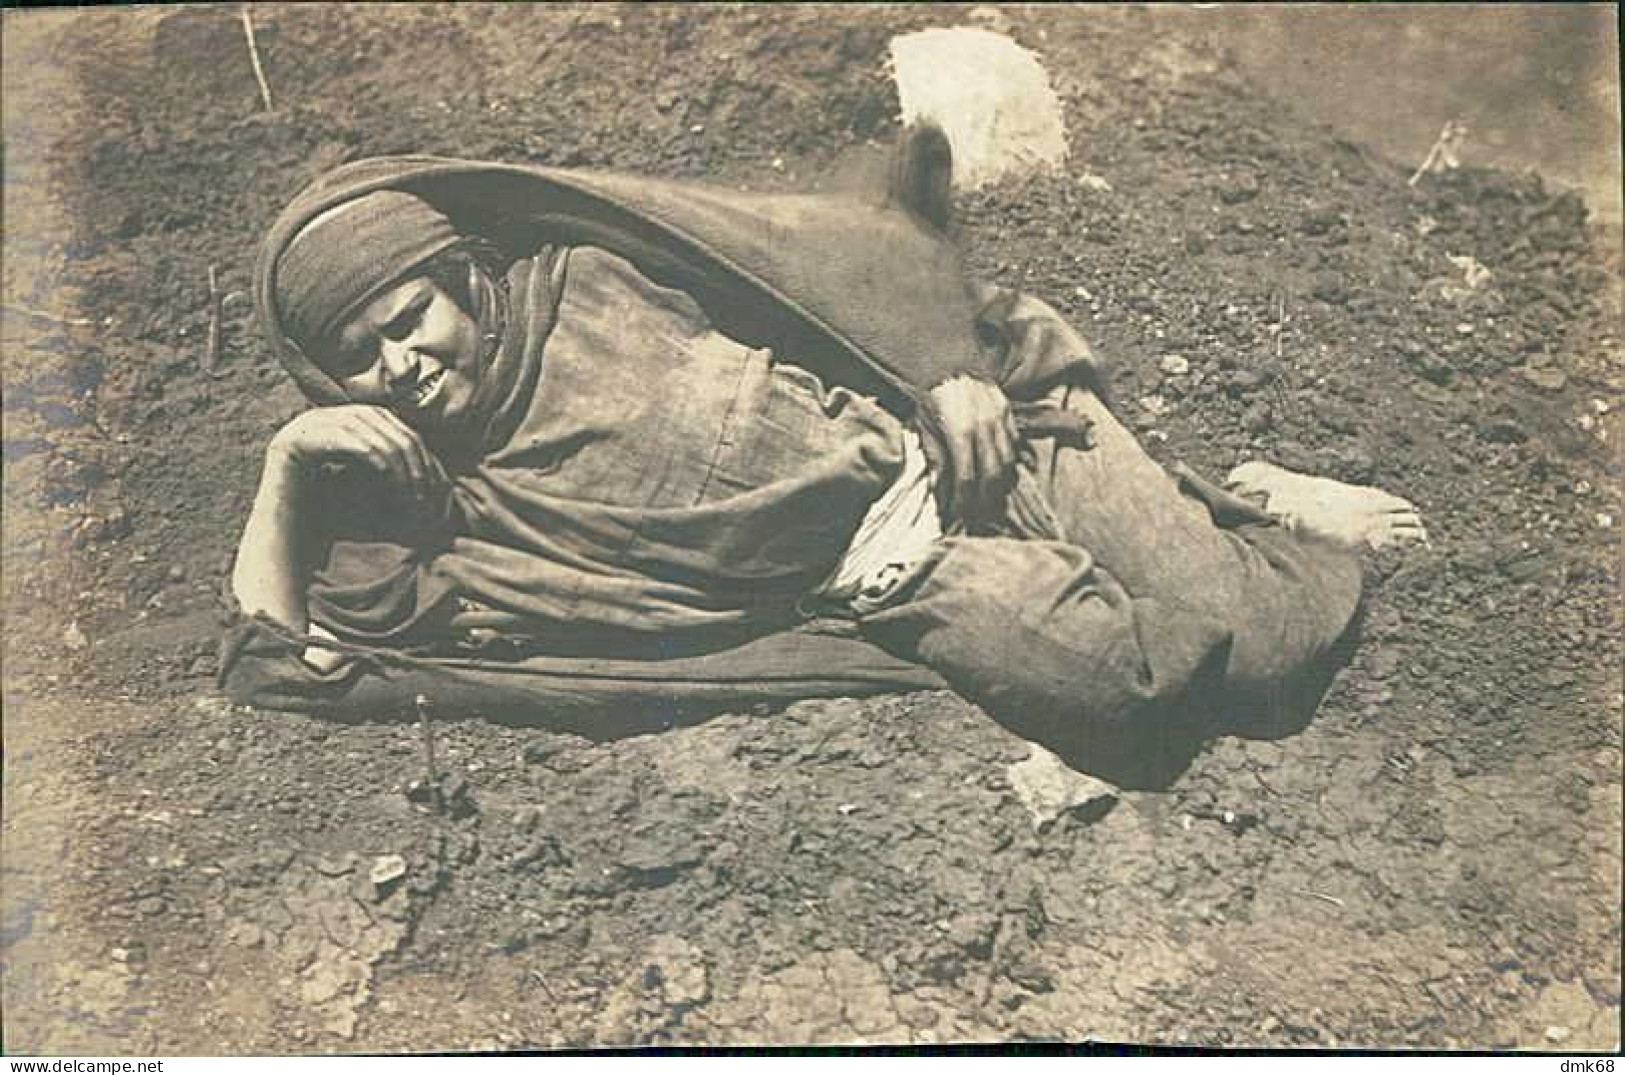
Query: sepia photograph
<point x="559" y="528"/>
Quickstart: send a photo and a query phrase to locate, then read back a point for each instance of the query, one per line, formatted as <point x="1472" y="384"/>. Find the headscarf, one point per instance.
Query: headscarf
<point x="349" y="255"/>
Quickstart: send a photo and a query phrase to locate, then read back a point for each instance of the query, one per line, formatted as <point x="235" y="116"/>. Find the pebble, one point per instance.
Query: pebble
<point x="989" y="18"/>
<point x="1032" y="977"/>
<point x="152" y="905"/>
<point x="1175" y="365"/>
<point x="1244" y="381"/>
<point x="1432" y="393"/>
<point x="387" y="869"/>
<point x="74" y="638"/>
<point x="1558" y="1034"/>
<point x="1432" y="367"/>
<point x="1257" y="418"/>
<point x="1501" y="430"/>
<point x="1546" y="378"/>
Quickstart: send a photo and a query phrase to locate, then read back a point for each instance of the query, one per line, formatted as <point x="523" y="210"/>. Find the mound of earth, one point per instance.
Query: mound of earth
<point x="1433" y="861"/>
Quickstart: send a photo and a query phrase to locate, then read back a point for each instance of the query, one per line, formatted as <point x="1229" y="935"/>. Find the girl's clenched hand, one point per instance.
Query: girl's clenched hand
<point x="979" y="433"/>
<point x="359" y="435"/>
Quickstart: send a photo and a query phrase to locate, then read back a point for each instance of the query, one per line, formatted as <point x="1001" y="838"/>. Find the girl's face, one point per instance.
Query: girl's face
<point x="414" y="350"/>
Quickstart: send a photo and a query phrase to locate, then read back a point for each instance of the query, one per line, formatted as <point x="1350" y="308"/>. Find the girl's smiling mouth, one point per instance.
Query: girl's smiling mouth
<point x="428" y="388"/>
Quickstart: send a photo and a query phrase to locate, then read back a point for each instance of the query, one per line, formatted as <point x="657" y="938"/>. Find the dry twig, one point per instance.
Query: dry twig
<point x="45" y="315"/>
<point x="1443" y="153"/>
<point x="254" y="58"/>
<point x="431" y="770"/>
<point x="211" y="349"/>
<point x="1333" y="900"/>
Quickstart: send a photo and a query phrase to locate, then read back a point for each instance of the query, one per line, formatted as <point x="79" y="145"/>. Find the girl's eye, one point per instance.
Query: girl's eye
<point x="348" y="363"/>
<point x="404" y="323"/>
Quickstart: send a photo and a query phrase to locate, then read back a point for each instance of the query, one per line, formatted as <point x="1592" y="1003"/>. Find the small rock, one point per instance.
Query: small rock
<point x="989" y="18"/>
<point x="1474" y="274"/>
<point x="245" y="935"/>
<point x="542" y="851"/>
<point x="1258" y="418"/>
<point x="115" y="526"/>
<point x="1175" y="365"/>
<point x="386" y="870"/>
<point x="1154" y="405"/>
<point x="1529" y="565"/>
<point x="973" y="932"/>
<point x="1501" y="430"/>
<point x="74" y="638"/>
<point x="1032" y="977"/>
<point x="1319" y="222"/>
<point x="1331" y="292"/>
<point x="1244" y="381"/>
<point x="1558" y="1034"/>
<point x="1239" y="189"/>
<point x="456" y="795"/>
<point x="1432" y="393"/>
<point x="681" y="971"/>
<point x="1431" y="367"/>
<point x="152" y="906"/>
<point x="1049" y="788"/>
<point x="1546" y="378"/>
<point x="916" y="1014"/>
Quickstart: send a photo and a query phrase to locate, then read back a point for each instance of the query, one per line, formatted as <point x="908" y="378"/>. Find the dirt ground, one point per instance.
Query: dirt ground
<point x="1433" y="861"/>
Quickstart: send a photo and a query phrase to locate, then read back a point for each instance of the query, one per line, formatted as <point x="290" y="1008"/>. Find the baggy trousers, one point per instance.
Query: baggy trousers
<point x="1163" y="592"/>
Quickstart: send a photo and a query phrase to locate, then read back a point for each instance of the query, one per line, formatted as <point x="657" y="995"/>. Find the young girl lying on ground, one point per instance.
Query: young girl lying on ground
<point x="584" y="443"/>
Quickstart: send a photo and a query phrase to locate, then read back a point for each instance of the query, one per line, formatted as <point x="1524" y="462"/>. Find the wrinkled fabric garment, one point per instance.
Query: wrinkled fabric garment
<point x="1158" y="585"/>
<point x="596" y="696"/>
<point x="663" y="479"/>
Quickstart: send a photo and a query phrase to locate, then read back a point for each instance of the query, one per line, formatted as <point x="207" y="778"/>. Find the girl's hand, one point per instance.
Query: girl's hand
<point x="981" y="440"/>
<point x="358" y="435"/>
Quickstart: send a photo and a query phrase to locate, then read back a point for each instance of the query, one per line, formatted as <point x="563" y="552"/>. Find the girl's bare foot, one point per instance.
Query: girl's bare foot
<point x="1355" y="515"/>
